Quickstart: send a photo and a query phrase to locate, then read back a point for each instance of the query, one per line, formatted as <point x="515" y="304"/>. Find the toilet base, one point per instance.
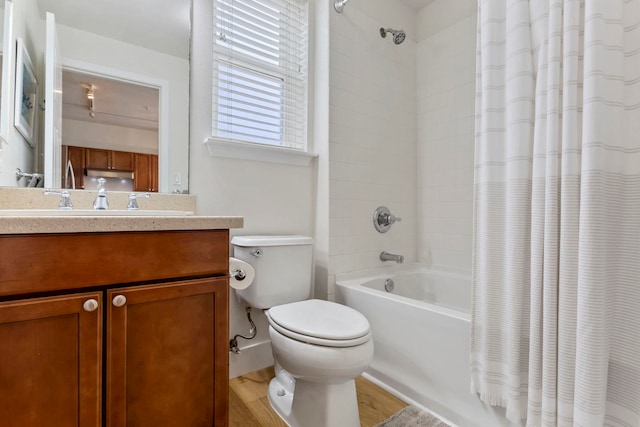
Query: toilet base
<point x="280" y="400"/>
<point x="315" y="404"/>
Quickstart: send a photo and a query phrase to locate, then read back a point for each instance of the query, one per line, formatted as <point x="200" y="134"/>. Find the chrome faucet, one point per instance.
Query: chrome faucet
<point x="133" y="200"/>
<point x="101" y="199"/>
<point x="386" y="256"/>
<point x="65" y="198"/>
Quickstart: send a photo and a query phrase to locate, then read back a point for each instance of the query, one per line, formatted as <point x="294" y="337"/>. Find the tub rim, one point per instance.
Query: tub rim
<point x="355" y="280"/>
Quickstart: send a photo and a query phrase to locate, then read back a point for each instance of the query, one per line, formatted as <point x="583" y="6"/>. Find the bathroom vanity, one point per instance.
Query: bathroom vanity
<point x="114" y="321"/>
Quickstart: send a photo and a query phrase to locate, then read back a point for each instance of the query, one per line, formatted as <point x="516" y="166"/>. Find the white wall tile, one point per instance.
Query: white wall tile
<point x="445" y="135"/>
<point x="441" y="14"/>
<point x="401" y="133"/>
<point x="373" y="134"/>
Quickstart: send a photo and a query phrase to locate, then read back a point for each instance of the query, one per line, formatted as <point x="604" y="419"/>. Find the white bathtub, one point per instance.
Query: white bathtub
<point x="421" y="333"/>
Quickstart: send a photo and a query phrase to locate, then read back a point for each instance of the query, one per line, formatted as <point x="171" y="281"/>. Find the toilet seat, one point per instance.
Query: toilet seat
<point x="320" y="322"/>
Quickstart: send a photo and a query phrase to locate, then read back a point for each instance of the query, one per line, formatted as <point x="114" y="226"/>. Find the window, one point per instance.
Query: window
<point x="260" y="72"/>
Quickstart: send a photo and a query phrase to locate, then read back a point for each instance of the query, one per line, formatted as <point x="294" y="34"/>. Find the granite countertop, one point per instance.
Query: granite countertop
<point x="101" y="224"/>
<point x="25" y="199"/>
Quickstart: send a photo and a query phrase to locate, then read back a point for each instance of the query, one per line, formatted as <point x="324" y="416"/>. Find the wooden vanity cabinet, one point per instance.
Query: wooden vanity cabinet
<point x="51" y="361"/>
<point x="151" y="351"/>
<point x="168" y="333"/>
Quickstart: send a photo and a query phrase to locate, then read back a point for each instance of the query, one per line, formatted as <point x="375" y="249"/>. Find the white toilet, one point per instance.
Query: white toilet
<point x="319" y="347"/>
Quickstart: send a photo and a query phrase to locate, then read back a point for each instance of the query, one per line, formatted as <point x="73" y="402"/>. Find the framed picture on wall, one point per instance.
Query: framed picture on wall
<point x="26" y="94"/>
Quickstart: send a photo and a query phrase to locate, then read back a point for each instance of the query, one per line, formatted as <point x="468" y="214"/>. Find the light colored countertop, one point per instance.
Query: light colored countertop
<point x="34" y="198"/>
<point x="101" y="224"/>
<point x="25" y="199"/>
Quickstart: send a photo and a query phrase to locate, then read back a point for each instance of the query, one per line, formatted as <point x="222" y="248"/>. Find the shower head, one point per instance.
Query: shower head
<point x="398" y="35"/>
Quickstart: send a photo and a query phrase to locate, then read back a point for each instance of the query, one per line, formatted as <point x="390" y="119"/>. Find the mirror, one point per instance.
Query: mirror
<point x="95" y="120"/>
<point x="144" y="42"/>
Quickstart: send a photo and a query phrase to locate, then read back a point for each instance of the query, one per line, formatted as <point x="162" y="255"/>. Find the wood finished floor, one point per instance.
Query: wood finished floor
<point x="249" y="405"/>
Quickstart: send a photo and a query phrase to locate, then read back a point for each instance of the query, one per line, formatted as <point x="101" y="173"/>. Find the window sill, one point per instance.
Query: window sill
<point x="257" y="152"/>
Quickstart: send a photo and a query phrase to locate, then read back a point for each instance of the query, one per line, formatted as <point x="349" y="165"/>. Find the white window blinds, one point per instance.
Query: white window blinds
<point x="260" y="71"/>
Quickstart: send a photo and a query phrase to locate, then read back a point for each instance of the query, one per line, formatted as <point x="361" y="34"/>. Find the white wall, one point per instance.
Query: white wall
<point x="445" y="114"/>
<point x="272" y="198"/>
<point x="81" y="133"/>
<point x="372" y="136"/>
<point x="319" y="128"/>
<point x="399" y="134"/>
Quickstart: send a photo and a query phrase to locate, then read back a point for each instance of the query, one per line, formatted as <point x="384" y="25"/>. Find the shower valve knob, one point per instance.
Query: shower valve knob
<point x="383" y="219"/>
<point x="390" y="219"/>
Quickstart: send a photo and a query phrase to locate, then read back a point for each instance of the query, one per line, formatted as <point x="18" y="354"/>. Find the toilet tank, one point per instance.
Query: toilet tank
<point x="283" y="267"/>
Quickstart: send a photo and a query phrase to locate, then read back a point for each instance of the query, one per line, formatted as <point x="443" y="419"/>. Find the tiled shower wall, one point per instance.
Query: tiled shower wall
<point x="402" y="134"/>
<point x="372" y="136"/>
<point x="445" y="134"/>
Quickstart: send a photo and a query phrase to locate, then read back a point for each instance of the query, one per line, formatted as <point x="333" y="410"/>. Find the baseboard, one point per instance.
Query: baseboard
<point x="251" y="358"/>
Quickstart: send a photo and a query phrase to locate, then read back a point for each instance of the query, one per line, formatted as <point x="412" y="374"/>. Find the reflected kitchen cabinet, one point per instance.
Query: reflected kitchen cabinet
<point x="92" y="161"/>
<point x="97" y="159"/>
<point x="109" y="159"/>
<point x="121" y="160"/>
<point x="146" y="172"/>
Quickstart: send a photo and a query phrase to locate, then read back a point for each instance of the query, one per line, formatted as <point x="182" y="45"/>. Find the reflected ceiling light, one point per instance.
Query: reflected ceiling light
<point x="91" y="100"/>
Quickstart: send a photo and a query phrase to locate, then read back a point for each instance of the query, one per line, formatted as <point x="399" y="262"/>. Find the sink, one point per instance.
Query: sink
<point x="91" y="212"/>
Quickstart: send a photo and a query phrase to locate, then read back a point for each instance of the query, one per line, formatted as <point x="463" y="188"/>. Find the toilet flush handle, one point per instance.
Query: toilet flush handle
<point x="256" y="252"/>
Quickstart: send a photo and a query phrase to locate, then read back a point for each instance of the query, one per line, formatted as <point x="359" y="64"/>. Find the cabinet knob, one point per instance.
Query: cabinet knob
<point x="119" y="300"/>
<point x="90" y="305"/>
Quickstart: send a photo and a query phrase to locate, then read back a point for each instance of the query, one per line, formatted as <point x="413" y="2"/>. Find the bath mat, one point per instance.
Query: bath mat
<point x="412" y="417"/>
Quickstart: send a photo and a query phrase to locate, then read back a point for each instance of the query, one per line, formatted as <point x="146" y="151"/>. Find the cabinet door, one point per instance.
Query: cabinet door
<point x="50" y="362"/>
<point x="168" y="354"/>
<point x="121" y="160"/>
<point x="141" y="177"/>
<point x="97" y="159"/>
<point x="154" y="172"/>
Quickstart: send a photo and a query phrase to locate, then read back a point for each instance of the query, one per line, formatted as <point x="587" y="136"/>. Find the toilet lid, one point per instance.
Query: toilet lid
<point x="320" y="322"/>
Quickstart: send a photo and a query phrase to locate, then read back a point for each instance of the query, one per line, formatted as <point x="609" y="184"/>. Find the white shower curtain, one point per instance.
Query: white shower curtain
<point x="556" y="264"/>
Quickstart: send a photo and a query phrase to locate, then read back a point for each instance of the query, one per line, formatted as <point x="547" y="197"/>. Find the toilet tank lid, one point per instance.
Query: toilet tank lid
<point x="251" y="241"/>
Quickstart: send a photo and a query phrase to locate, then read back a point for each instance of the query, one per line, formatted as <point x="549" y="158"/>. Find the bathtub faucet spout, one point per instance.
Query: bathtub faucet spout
<point x="386" y="256"/>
